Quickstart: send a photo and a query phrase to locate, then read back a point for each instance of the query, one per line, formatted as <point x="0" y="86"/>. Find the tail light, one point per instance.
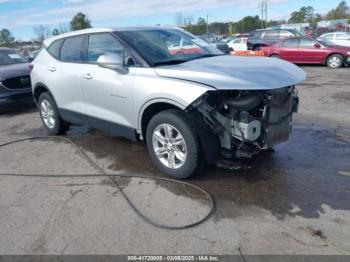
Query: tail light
<point x="31" y="66"/>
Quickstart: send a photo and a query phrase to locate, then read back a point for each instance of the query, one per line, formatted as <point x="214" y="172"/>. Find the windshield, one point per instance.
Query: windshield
<point x="167" y="46"/>
<point x="325" y="42"/>
<point x="8" y="57"/>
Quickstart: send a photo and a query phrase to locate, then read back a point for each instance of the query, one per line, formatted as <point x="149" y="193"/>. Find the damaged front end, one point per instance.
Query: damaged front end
<point x="244" y="122"/>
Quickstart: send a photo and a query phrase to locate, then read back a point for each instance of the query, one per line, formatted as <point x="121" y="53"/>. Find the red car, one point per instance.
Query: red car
<point x="304" y="50"/>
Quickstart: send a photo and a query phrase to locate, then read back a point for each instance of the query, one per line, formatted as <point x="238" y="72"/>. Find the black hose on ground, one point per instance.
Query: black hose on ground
<point x="111" y="177"/>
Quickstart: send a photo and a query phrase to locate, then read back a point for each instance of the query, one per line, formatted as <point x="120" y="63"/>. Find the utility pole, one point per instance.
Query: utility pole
<point x="262" y="14"/>
<point x="207" y="24"/>
<point x="266" y="13"/>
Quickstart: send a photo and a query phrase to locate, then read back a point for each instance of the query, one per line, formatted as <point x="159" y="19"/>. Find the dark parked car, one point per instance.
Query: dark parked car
<point x="15" y="84"/>
<point x="304" y="50"/>
<point x="267" y="37"/>
<point x="222" y="46"/>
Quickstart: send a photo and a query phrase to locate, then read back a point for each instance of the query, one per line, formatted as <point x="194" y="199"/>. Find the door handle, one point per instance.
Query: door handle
<point x="52" y="69"/>
<point x="87" y="76"/>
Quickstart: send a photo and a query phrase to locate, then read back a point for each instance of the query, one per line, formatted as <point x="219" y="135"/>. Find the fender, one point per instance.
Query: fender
<point x="42" y="85"/>
<point x="153" y="101"/>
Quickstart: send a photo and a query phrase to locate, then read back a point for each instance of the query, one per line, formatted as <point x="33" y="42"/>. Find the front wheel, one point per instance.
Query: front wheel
<point x="335" y="61"/>
<point x="173" y="144"/>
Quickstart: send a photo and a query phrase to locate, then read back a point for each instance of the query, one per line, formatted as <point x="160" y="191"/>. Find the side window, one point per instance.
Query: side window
<point x="101" y="44"/>
<point x="272" y="34"/>
<point x="54" y="48"/>
<point x="71" y="49"/>
<point x="342" y="37"/>
<point x="290" y="43"/>
<point x="307" y="43"/>
<point x="329" y="36"/>
<point x="285" y="34"/>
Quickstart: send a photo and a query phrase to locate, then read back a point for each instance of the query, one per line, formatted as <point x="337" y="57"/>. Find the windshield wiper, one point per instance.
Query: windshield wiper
<point x="170" y="62"/>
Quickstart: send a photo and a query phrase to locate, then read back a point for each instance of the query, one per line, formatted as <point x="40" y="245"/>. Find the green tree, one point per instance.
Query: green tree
<point x="304" y="15"/>
<point x="55" y="31"/>
<point x="6" y="38"/>
<point x="80" y="21"/>
<point x="317" y="18"/>
<point x="200" y="28"/>
<point x="219" y="28"/>
<point x="246" y="24"/>
<point x="340" y="12"/>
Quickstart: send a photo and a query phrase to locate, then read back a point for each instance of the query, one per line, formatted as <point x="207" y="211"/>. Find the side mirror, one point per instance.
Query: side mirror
<point x="317" y="45"/>
<point x="112" y="61"/>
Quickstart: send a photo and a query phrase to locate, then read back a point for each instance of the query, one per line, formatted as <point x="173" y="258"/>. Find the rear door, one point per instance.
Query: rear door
<point x="289" y="50"/>
<point x="108" y="93"/>
<point x="66" y="78"/>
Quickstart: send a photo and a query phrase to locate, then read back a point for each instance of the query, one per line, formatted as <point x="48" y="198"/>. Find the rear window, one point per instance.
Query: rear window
<point x="8" y="57"/>
<point x="71" y="50"/>
<point x="54" y="48"/>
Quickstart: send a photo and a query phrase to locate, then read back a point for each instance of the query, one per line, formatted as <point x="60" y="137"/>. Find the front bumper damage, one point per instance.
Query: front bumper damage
<point x="245" y="122"/>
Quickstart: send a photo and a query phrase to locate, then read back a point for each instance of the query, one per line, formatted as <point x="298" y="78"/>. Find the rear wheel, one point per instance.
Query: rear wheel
<point x="173" y="144"/>
<point x="275" y="56"/>
<point x="335" y="61"/>
<point x="50" y="116"/>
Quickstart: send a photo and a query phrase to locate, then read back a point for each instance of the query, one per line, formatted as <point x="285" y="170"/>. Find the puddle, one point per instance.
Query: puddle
<point x="305" y="173"/>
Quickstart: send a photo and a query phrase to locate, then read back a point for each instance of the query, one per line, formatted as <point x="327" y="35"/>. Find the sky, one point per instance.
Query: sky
<point x="20" y="16"/>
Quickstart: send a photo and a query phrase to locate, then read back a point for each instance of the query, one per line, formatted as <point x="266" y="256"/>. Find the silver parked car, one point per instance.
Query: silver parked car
<point x="192" y="107"/>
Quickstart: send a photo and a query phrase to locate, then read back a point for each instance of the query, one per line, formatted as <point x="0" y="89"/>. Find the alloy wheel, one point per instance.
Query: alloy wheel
<point x="169" y="146"/>
<point x="334" y="62"/>
<point x="47" y="113"/>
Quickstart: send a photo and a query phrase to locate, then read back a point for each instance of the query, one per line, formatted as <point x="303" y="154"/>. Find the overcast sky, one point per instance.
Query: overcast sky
<point x="20" y="16"/>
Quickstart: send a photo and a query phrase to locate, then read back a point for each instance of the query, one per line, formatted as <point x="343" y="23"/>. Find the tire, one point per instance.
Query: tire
<point x="50" y="116"/>
<point x="230" y="49"/>
<point x="184" y="159"/>
<point x="275" y="56"/>
<point x="335" y="61"/>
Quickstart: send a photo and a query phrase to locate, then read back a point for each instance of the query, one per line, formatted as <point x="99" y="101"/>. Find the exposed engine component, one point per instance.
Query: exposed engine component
<point x="246" y="131"/>
<point x="248" y="121"/>
<point x="246" y="102"/>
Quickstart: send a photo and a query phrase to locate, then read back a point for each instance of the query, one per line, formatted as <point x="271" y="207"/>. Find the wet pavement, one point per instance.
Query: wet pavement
<point x="296" y="197"/>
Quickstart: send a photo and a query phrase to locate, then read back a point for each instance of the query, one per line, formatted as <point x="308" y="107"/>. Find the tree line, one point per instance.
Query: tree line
<point x="41" y="32"/>
<point x="305" y="14"/>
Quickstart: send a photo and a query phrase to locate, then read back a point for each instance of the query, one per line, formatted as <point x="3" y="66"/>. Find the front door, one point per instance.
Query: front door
<point x="108" y="93"/>
<point x="309" y="52"/>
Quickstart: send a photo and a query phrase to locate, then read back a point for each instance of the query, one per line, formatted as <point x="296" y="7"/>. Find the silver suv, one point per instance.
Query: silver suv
<point x="190" y="103"/>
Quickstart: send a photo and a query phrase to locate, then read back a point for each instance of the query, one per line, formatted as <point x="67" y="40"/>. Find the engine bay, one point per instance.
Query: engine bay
<point x="247" y="122"/>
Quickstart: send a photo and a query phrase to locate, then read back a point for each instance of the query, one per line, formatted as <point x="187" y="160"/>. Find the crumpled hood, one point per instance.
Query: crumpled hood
<point x="233" y="72"/>
<point x="14" y="70"/>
